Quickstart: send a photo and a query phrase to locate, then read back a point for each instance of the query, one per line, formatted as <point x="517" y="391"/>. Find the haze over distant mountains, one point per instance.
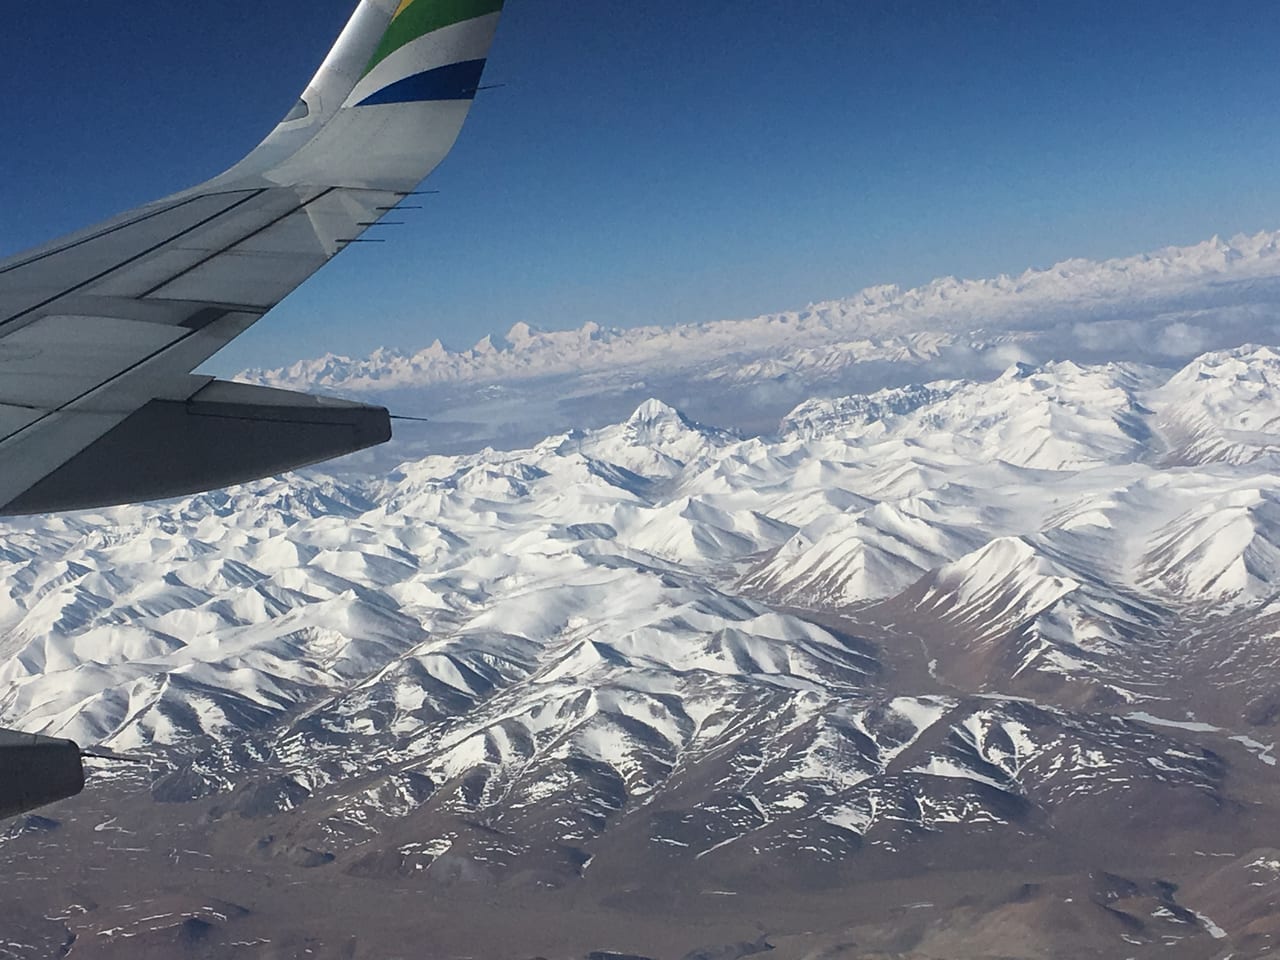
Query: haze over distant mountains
<point x="964" y="668"/>
<point x="1161" y="308"/>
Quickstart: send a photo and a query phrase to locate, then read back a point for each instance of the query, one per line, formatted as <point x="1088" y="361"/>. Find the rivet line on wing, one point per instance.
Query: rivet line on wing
<point x="116" y="228"/>
<point x="231" y="246"/>
<point x="145" y="253"/>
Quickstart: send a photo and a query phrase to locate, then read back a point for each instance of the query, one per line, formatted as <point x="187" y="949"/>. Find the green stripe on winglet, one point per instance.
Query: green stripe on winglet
<point x="425" y="16"/>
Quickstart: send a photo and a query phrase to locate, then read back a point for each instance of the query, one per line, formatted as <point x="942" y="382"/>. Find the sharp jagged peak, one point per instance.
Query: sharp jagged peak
<point x="654" y="412"/>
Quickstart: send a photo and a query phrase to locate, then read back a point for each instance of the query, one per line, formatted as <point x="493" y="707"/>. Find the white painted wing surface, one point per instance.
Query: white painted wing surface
<point x="99" y="331"/>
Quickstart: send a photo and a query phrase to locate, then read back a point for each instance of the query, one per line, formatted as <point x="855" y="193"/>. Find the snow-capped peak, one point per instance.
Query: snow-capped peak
<point x="1223" y="406"/>
<point x="654" y="413"/>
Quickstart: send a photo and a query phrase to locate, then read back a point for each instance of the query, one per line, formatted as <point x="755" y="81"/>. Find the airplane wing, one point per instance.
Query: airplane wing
<point x="99" y="331"/>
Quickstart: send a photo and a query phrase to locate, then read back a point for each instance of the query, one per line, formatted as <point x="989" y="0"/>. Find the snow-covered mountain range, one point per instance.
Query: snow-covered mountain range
<point x="934" y="622"/>
<point x="565" y="638"/>
<point x="1115" y="300"/>
<point x="1102" y="498"/>
<point x="1160" y="308"/>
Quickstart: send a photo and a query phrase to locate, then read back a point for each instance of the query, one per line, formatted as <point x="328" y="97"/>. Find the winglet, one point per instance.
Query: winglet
<point x="431" y="50"/>
<point x="388" y="101"/>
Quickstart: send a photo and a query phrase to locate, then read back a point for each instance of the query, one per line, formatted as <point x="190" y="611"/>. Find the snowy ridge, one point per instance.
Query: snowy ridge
<point x="1057" y="417"/>
<point x="1060" y="620"/>
<point x="845" y="559"/>
<point x="1222" y="407"/>
<point x="1226" y="547"/>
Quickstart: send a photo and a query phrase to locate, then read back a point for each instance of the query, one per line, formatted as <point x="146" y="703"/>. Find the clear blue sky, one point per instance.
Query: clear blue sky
<point x="674" y="162"/>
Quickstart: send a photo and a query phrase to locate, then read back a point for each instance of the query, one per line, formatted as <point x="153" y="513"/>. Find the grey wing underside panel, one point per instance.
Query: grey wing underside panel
<point x="96" y="328"/>
<point x="36" y="770"/>
<point x="225" y="432"/>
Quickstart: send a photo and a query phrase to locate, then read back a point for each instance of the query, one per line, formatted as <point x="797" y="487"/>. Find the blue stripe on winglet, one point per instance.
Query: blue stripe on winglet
<point x="457" y="81"/>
